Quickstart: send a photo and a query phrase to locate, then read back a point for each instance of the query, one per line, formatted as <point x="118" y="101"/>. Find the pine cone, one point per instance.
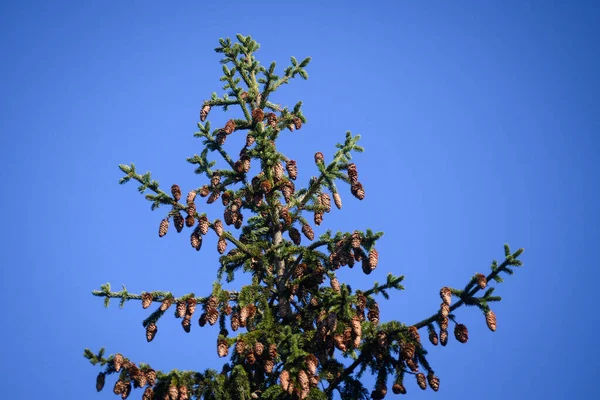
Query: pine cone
<point x="181" y="308"/>
<point x="186" y="323"/>
<point x="178" y="221"/>
<point x="212" y="316"/>
<point x="191" y="196"/>
<point x="146" y="300"/>
<point x="151" y="377"/>
<point x="433" y="337"/>
<point x="119" y="387"/>
<point x="297" y="122"/>
<point x="337" y="200"/>
<point x="444" y="310"/>
<point x="221" y="138"/>
<point x="163" y="228"/>
<point x="373" y="259"/>
<point x="421" y="380"/>
<point x="117" y="363"/>
<point x="398" y="388"/>
<point x="272" y="120"/>
<point x="374" y="314"/>
<point x="204" y="191"/>
<point x="414" y="367"/>
<point x="318" y="218"/>
<point x="291" y="127"/>
<point x="414" y="333"/>
<point x="443" y="322"/>
<point x="357" y="190"/>
<point x="250" y="358"/>
<point x="259" y="348"/>
<point x="352" y="173"/>
<point x="408" y="351"/>
<point x="151" y="330"/>
<point x="481" y="281"/>
<point x="446" y="295"/>
<point x="196" y="240"/>
<point x="191" y="210"/>
<point x="319" y="157"/>
<point x="148" y="394"/>
<point x="277" y="172"/>
<point x="292" y="169"/>
<point x="189" y="221"/>
<point x="204" y="112"/>
<point x="203" y="225"/>
<point x="443" y="337"/>
<point x="183" y="393"/>
<point x="325" y="200"/>
<point x="366" y="266"/>
<point x="176" y="192"/>
<point x="221" y="245"/>
<point x="303" y="380"/>
<point x="434" y="382"/>
<point x="284" y="380"/>
<point x="191" y="306"/>
<point x="258" y="115"/>
<point x="335" y="285"/>
<point x="214" y="196"/>
<point x="100" y="380"/>
<point x="461" y="333"/>
<point x="235" y="322"/>
<point x="490" y="320"/>
<point x="312" y="364"/>
<point x="308" y="232"/>
<point x="286" y="190"/>
<point x="215" y="179"/>
<point x="173" y="392"/>
<point x="218" y="225"/>
<point x="295" y="236"/>
<point x="356" y="326"/>
<point x="355" y="240"/>
<point x="229" y="127"/>
<point x="269" y="364"/>
<point x="222" y="347"/>
<point x="266" y="186"/>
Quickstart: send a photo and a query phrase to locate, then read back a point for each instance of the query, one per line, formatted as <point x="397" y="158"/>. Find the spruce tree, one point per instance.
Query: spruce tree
<point x="296" y="331"/>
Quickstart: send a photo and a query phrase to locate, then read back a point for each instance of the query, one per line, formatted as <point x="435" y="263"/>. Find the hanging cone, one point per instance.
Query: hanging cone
<point x="203" y="225"/>
<point x="297" y="122"/>
<point x="312" y="364"/>
<point x="166" y="303"/>
<point x="414" y="333"/>
<point x="490" y="320"/>
<point x="235" y="322"/>
<point x="361" y="302"/>
<point x="398" y="388"/>
<point x="186" y="324"/>
<point x="461" y="333"/>
<point x="373" y="259"/>
<point x="357" y="190"/>
<point x="120" y="387"/>
<point x="229" y="127"/>
<point x="308" y="232"/>
<point x="178" y="221"/>
<point x="181" y="308"/>
<point x="273" y="351"/>
<point x="421" y="380"/>
<point x="151" y="377"/>
<point x="303" y="380"/>
<point x="117" y="362"/>
<point x="189" y="221"/>
<point x="481" y="281"/>
<point x="218" y="226"/>
<point x="433" y="337"/>
<point x="203" y="319"/>
<point x="163" y="227"/>
<point x="258" y="115"/>
<point x="222" y="347"/>
<point x="191" y="210"/>
<point x="284" y="380"/>
<point x="414" y="367"/>
<point x="259" y="349"/>
<point x="319" y="157"/>
<point x="366" y="266"/>
<point x="148" y="394"/>
<point x="434" y="381"/>
<point x="176" y="192"/>
<point x="337" y="200"/>
<point x="215" y="179"/>
<point x="335" y="285"/>
<point x="292" y="169"/>
<point x="295" y="236"/>
<point x="272" y="120"/>
<point x="325" y="201"/>
<point x="250" y="140"/>
<point x="318" y="218"/>
<point x="444" y="310"/>
<point x="214" y="196"/>
<point x="191" y="306"/>
<point x="374" y="314"/>
<point x="221" y="138"/>
<point x="204" y="191"/>
<point x="266" y="186"/>
<point x="408" y="351"/>
<point x="204" y="112"/>
<point x="269" y="364"/>
<point x="196" y="240"/>
<point x="191" y="196"/>
<point x="352" y="173"/>
<point x="355" y="240"/>
<point x="443" y="337"/>
<point x="183" y="393"/>
<point x="443" y="322"/>
<point x="221" y="245"/>
<point x="100" y="380"/>
<point x="146" y="300"/>
<point x="173" y="392"/>
<point x="286" y="190"/>
<point x="277" y="172"/>
<point x="250" y="358"/>
<point x="356" y="326"/>
<point x="151" y="330"/>
<point x="212" y="302"/>
<point x="446" y="295"/>
<point x="212" y="316"/>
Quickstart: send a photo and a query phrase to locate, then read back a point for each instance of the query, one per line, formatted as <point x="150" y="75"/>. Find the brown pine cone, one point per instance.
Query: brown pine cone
<point x="218" y="226"/>
<point x="183" y="393"/>
<point x="312" y="363"/>
<point x="196" y="240"/>
<point x="229" y="127"/>
<point x="414" y="333"/>
<point x="151" y="330"/>
<point x="272" y="120"/>
<point x="337" y="200"/>
<point x="318" y="218"/>
<point x="446" y="295"/>
<point x="221" y="138"/>
<point x="117" y="362"/>
<point x="214" y="196"/>
<point x="166" y="303"/>
<point x="443" y="337"/>
<point x="284" y="380"/>
<point x="212" y="316"/>
<point x="258" y="115"/>
<point x="181" y="309"/>
<point x="295" y="236"/>
<point x="163" y="228"/>
<point x="186" y="323"/>
<point x="407" y="351"/>
<point x="259" y="349"/>
<point x="235" y="322"/>
<point x="356" y="240"/>
<point x="189" y="220"/>
<point x="273" y="351"/>
<point x="222" y="347"/>
<point x="178" y="221"/>
<point x="433" y="337"/>
<point x="398" y="388"/>
<point x="204" y="191"/>
<point x="325" y="200"/>
<point x="250" y="358"/>
<point x="215" y="179"/>
<point x="444" y="309"/>
<point x="490" y="320"/>
<point x="297" y="122"/>
<point x="204" y="112"/>
<point x="481" y="281"/>
<point x="352" y="173"/>
<point x="421" y="380"/>
<point x="191" y="210"/>
<point x="373" y="259"/>
<point x="151" y="377"/>
<point x="357" y="190"/>
<point x="191" y="196"/>
<point x="173" y="392"/>
<point x="148" y="394"/>
<point x="335" y="285"/>
<point x="120" y="387"/>
<point x="146" y="300"/>
<point x="176" y="192"/>
<point x="203" y="225"/>
<point x="434" y="382"/>
<point x="308" y="232"/>
<point x="461" y="333"/>
<point x="443" y="322"/>
<point x="269" y="364"/>
<point x="319" y="157"/>
<point x="292" y="169"/>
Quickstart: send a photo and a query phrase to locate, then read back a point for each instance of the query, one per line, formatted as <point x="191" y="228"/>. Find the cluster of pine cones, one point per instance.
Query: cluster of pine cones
<point x="131" y="374"/>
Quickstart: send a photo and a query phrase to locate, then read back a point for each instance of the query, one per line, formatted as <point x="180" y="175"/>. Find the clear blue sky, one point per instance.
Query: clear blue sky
<point x="478" y="120"/>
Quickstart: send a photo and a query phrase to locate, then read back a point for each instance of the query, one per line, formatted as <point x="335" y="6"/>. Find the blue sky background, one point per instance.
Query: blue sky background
<point x="479" y="122"/>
